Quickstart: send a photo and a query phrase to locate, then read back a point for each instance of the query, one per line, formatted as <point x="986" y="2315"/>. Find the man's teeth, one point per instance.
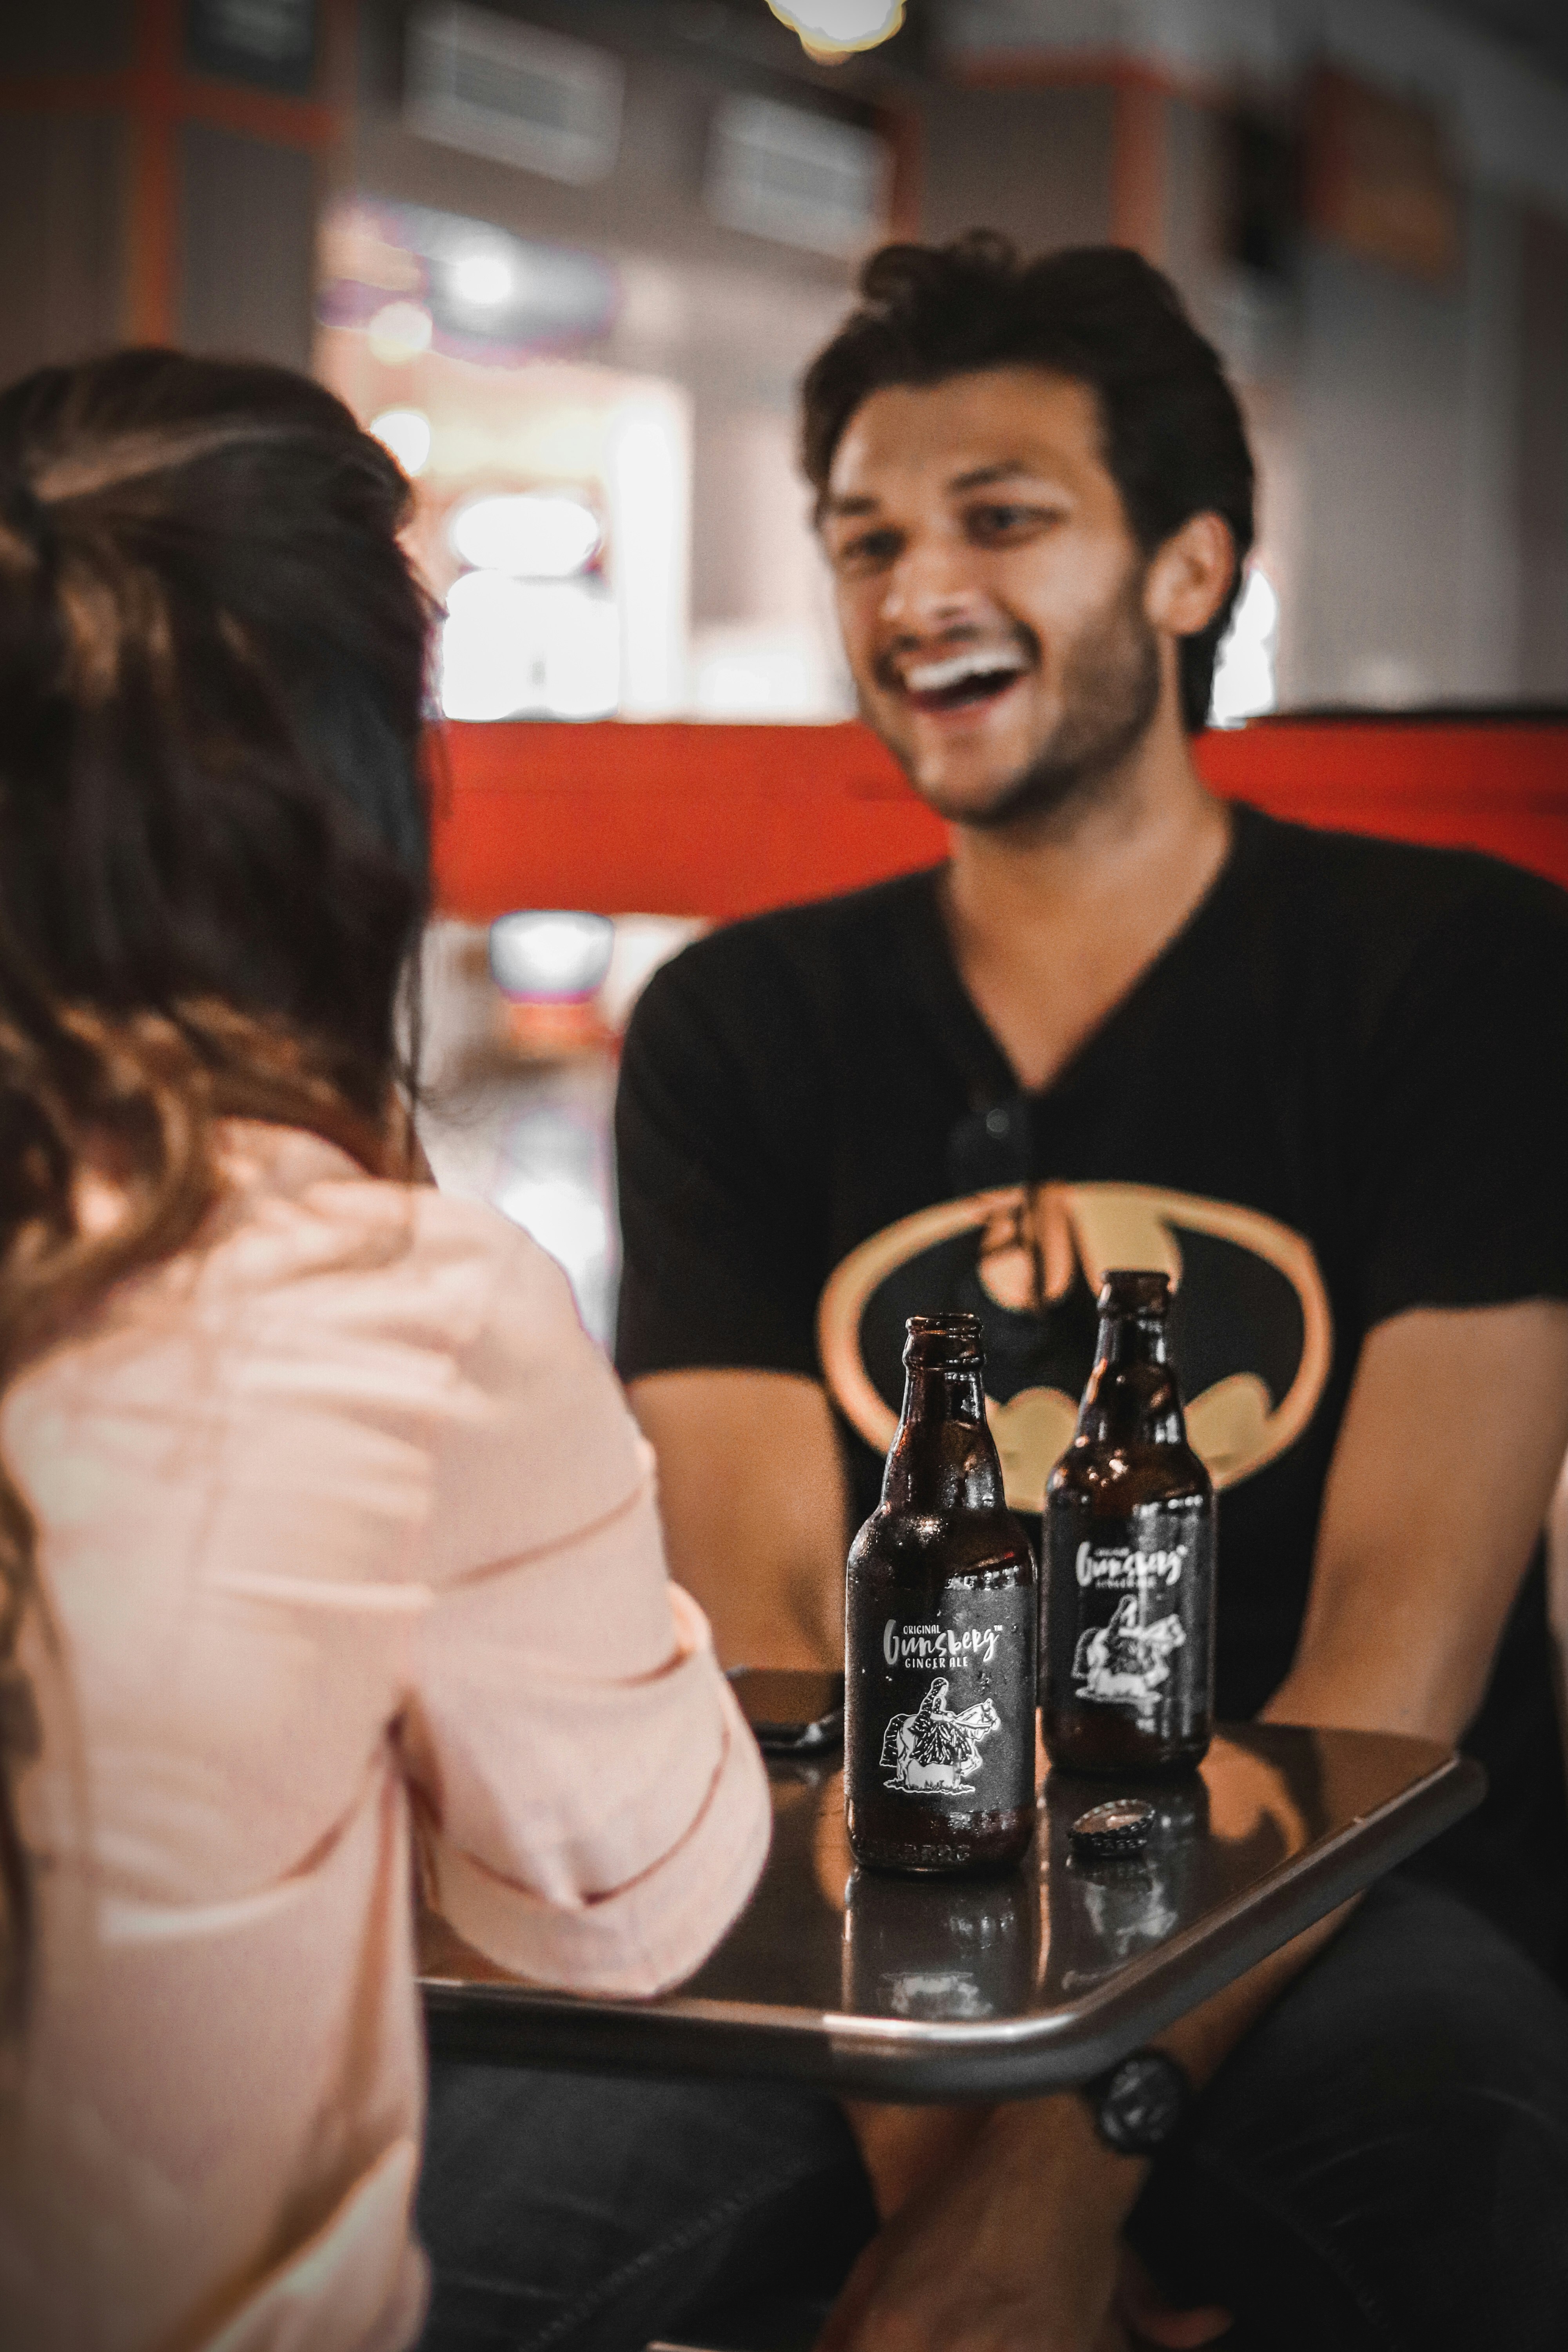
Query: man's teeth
<point x="937" y="677"/>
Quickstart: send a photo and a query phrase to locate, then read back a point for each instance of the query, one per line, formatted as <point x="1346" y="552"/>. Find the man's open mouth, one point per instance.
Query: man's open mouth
<point x="962" y="681"/>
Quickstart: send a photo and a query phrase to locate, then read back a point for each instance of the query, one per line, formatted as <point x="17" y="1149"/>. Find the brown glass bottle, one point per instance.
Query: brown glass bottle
<point x="941" y="1634"/>
<point x="1128" y="1568"/>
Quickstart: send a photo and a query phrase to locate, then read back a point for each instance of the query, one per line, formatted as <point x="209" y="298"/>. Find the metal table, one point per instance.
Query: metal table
<point x="985" y="1989"/>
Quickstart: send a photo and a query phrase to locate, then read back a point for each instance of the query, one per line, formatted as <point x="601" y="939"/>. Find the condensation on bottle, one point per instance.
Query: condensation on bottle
<point x="1128" y="1568"/>
<point x="941" y="1612"/>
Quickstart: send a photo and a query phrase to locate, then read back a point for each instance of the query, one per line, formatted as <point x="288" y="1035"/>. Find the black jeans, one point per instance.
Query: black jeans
<point x="1381" y="2167"/>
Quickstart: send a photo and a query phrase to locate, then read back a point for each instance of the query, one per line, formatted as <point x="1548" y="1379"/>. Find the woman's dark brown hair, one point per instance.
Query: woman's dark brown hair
<point x="213" y="841"/>
<point x="1173" y="439"/>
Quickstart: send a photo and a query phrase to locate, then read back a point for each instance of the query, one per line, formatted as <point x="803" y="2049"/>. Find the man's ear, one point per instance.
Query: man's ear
<point x="1190" y="576"/>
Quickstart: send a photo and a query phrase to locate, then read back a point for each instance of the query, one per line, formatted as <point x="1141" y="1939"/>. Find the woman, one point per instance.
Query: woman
<point x="319" y="1514"/>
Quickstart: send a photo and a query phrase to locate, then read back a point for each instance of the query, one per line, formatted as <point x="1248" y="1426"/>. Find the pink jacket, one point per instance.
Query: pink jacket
<point x="344" y="1523"/>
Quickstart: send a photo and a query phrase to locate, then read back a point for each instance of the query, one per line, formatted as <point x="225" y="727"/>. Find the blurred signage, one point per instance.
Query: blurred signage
<point x="271" y="43"/>
<point x="513" y="93"/>
<point x="802" y="179"/>
<point x="1380" y="178"/>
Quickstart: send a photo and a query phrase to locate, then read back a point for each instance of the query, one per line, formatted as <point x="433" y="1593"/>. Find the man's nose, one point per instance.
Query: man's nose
<point x="930" y="587"/>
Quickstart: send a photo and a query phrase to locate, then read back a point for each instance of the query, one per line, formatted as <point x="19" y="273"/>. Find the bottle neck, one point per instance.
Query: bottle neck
<point x="943" y="1457"/>
<point x="1132" y="1398"/>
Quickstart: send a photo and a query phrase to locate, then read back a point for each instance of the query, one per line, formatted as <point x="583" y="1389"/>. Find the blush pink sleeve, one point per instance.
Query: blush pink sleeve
<point x="594" y="1809"/>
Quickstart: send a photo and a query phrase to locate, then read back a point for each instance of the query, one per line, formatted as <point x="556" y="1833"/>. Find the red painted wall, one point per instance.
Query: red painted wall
<point x="723" y="821"/>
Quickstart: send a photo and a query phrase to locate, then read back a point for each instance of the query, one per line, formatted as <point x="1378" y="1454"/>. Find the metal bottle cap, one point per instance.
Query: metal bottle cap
<point x="1107" y="1831"/>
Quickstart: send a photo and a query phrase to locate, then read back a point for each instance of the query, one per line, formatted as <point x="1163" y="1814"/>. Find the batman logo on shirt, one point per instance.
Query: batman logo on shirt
<point x="1251" y="1333"/>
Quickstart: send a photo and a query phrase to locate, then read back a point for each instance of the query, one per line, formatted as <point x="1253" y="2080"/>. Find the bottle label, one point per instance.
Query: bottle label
<point x="1128" y="1610"/>
<point x="952" y="1700"/>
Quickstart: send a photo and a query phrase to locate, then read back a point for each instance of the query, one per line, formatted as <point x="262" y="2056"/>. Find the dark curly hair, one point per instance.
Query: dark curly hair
<point x="1174" y="438"/>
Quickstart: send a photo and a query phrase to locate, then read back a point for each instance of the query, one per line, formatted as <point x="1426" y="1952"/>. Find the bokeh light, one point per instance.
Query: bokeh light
<point x="534" y="535"/>
<point x="405" y="432"/>
<point x="400" y="331"/>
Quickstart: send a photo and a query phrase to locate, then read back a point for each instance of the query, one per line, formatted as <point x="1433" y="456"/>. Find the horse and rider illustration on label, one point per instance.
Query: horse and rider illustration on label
<point x="951" y="1686"/>
<point x="1145" y="1575"/>
<point x="934" y="1751"/>
<point x="1126" y="1661"/>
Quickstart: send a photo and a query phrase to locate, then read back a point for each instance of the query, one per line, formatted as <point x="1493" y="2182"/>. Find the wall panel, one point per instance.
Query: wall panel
<point x="61" y="221"/>
<point x="247" y="242"/>
<point x="1036" y="162"/>
<point x="724" y="821"/>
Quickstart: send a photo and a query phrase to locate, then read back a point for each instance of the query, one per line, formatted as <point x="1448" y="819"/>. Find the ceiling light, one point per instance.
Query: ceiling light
<point x="535" y="535"/>
<point x="483" y="277"/>
<point x="831" y="30"/>
<point x="405" y="432"/>
<point x="400" y="331"/>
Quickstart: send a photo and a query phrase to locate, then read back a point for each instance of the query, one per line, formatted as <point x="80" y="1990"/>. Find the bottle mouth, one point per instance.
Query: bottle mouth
<point x="1135" y="1290"/>
<point x="943" y="1339"/>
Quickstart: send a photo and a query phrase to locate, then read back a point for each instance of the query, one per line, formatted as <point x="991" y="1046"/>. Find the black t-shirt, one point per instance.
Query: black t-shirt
<point x="1340" y="1092"/>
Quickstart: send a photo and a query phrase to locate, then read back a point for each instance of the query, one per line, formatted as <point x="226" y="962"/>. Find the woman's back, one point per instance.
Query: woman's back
<point x="338" y="1507"/>
<point x="321" y="1523"/>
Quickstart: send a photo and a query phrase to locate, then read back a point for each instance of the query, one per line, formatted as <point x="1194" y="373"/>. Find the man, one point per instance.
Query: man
<point x="1322" y="1081"/>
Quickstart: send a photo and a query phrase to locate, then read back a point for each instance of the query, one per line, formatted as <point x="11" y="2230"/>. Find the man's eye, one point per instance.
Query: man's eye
<point x="870" y="551"/>
<point x="1004" y="521"/>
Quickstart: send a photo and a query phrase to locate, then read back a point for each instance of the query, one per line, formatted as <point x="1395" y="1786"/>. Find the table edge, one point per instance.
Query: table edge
<point x="916" y="2059"/>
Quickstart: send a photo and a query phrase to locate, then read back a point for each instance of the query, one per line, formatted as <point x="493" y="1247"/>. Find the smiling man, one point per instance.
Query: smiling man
<point x="1050" y="676"/>
<point x="1320" y="1081"/>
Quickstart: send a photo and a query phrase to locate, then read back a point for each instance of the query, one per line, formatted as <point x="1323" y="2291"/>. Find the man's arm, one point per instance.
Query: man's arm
<point x="753" y="1493"/>
<point x="1454" y="1429"/>
<point x="1447" y="1458"/>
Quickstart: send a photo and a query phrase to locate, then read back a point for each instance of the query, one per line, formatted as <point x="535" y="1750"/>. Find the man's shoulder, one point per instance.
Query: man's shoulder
<point x="1393" y="899"/>
<point x="853" y="923"/>
<point x="740" y="968"/>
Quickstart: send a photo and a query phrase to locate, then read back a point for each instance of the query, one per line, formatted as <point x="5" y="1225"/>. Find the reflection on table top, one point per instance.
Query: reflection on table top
<point x="921" y="1989"/>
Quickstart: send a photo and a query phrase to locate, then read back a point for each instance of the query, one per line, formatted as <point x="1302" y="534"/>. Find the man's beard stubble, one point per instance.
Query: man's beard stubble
<point x="1111" y="691"/>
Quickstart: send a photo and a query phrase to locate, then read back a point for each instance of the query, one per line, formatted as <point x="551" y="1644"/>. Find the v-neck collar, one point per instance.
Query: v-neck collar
<point x="966" y="1036"/>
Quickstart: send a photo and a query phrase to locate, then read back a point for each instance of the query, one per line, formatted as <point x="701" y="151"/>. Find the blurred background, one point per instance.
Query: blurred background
<point x="568" y="258"/>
